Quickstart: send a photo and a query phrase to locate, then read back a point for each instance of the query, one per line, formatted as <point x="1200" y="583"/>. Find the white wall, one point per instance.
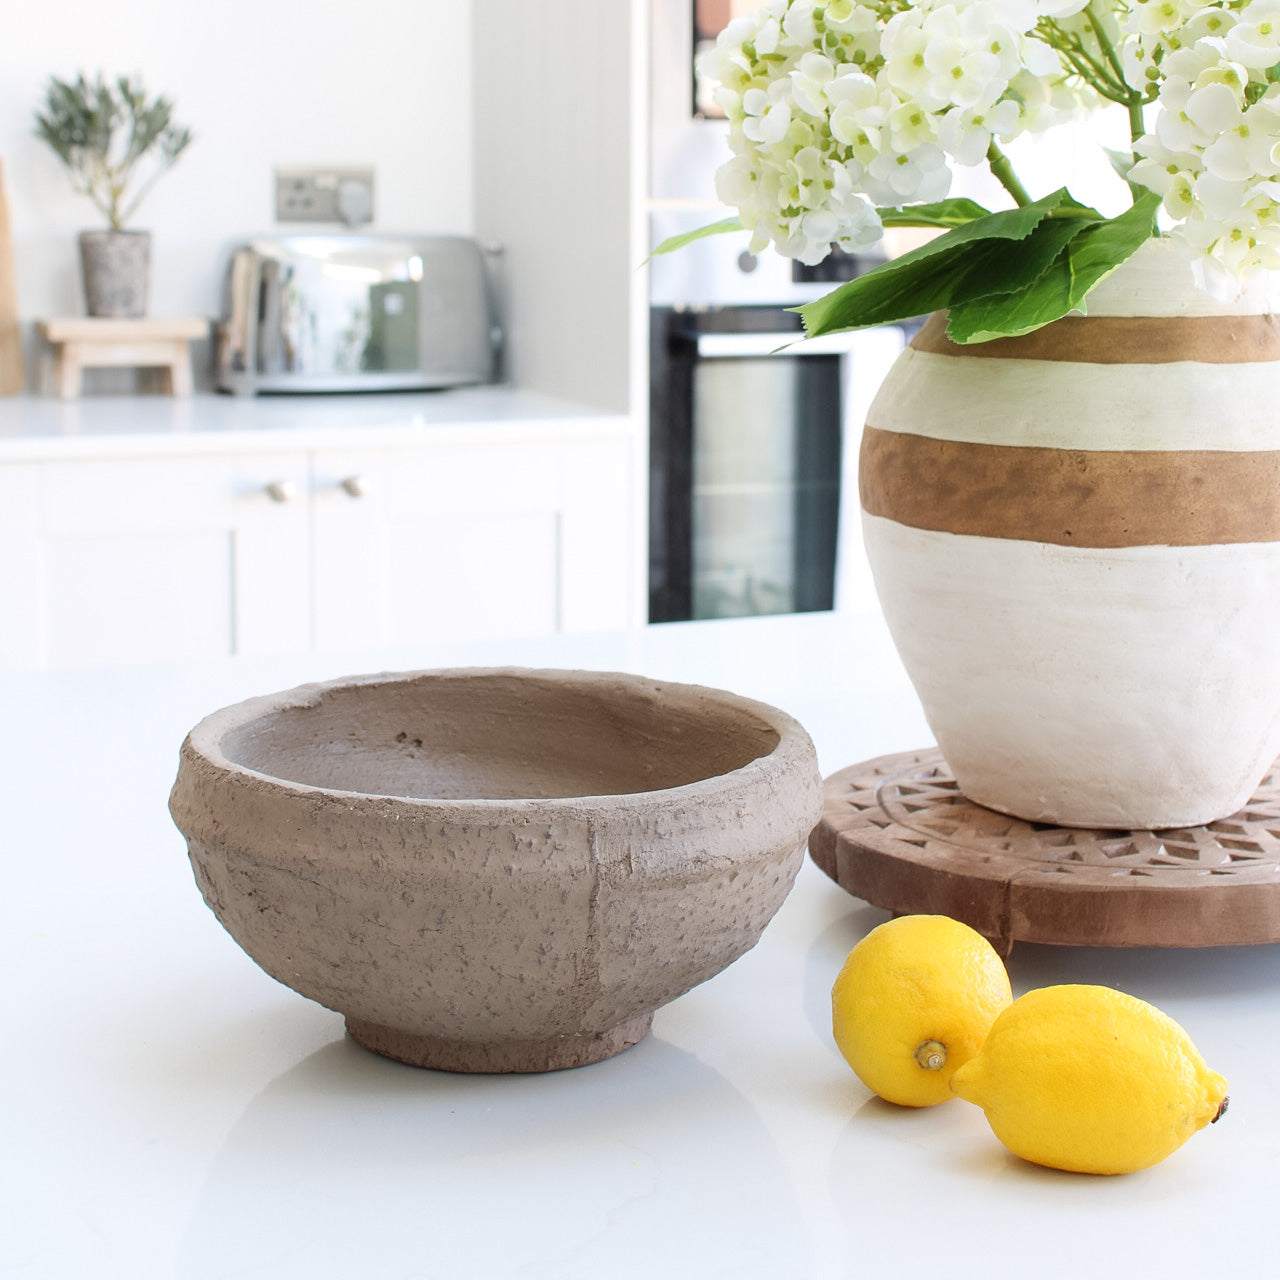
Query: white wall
<point x="261" y="82"/>
<point x="560" y="175"/>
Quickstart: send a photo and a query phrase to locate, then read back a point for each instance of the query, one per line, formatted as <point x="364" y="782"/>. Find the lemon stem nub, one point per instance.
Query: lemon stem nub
<point x="1222" y="1111"/>
<point x="932" y="1055"/>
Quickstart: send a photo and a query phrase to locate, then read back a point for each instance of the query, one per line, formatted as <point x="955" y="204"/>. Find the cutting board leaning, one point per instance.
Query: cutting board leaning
<point x="10" y="339"/>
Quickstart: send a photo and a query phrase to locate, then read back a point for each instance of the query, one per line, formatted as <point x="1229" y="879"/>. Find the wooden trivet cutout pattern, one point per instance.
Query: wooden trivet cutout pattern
<point x="897" y="832"/>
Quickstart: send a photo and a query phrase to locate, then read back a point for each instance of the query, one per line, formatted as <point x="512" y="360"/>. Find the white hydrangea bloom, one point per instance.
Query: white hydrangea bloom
<point x="840" y="106"/>
<point x="1254" y="41"/>
<point x="908" y="177"/>
<point x="1153" y="17"/>
<point x="963" y="70"/>
<point x="1210" y="22"/>
<point x="967" y="135"/>
<point x="799" y="24"/>
<point x="909" y="126"/>
<point x="1212" y="153"/>
<point x="903" y="47"/>
<point x="1061" y="8"/>
<point x="835" y="108"/>
<point x="809" y="82"/>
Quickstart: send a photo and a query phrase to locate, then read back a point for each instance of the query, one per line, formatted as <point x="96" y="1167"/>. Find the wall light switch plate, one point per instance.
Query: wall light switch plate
<point x="324" y="195"/>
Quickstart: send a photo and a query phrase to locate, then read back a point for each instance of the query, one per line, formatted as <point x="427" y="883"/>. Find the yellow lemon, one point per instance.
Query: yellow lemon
<point x="1092" y="1080"/>
<point x="915" y="999"/>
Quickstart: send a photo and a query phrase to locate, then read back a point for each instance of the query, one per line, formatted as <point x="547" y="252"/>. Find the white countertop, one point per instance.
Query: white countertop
<point x="35" y="427"/>
<point x="170" y="1111"/>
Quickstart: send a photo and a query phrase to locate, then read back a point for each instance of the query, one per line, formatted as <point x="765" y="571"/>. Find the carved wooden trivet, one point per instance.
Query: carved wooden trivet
<point x="897" y="832"/>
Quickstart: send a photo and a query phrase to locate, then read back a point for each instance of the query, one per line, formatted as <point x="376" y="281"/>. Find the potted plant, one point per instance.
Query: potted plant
<point x="1071" y="479"/>
<point x="115" y="143"/>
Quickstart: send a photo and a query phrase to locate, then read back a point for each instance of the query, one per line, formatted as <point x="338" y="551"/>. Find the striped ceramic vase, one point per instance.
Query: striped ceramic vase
<point x="1075" y="537"/>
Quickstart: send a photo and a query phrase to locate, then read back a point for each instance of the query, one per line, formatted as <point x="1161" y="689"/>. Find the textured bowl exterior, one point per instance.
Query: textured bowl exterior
<point x="484" y="922"/>
<point x="1075" y="537"/>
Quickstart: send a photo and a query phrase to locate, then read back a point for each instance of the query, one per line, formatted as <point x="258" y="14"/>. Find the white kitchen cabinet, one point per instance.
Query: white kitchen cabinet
<point x="214" y="540"/>
<point x="137" y="559"/>
<point x="466" y="541"/>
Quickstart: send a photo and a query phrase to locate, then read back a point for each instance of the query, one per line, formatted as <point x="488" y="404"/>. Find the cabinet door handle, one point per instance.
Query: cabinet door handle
<point x="356" y="486"/>
<point x="282" y="491"/>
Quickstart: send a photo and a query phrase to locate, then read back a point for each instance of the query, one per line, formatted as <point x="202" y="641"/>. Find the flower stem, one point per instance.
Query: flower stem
<point x="1137" y="126"/>
<point x="1003" y="172"/>
<point x="1104" y="42"/>
<point x="1133" y="99"/>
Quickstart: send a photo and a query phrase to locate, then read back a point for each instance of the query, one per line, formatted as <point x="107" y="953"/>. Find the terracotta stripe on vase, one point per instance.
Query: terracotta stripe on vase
<point x="1230" y="339"/>
<point x="1072" y="497"/>
<point x="1079" y="556"/>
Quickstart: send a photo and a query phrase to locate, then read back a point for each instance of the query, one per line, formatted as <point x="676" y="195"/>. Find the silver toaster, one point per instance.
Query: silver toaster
<point x="350" y="312"/>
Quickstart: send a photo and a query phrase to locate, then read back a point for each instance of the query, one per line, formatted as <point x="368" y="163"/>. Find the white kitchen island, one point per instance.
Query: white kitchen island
<point x="170" y="1111"/>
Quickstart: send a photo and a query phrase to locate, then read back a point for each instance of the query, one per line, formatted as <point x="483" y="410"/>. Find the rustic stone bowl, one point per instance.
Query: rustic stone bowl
<point x="496" y="869"/>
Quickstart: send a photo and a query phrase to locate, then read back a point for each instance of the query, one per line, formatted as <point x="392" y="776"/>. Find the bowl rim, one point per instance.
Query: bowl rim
<point x="205" y="739"/>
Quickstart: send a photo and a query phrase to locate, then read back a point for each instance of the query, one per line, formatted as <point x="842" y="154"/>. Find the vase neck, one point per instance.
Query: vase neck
<point x="1158" y="281"/>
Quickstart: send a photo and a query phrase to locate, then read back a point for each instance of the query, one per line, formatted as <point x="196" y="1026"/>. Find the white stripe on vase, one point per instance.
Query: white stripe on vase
<point x="1158" y="281"/>
<point x="1057" y="404"/>
<point x="1023" y="652"/>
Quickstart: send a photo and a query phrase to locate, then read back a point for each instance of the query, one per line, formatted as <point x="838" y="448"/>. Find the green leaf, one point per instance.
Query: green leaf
<point x="971" y="261"/>
<point x="1121" y="161"/>
<point x="1083" y="262"/>
<point x="945" y="213"/>
<point x="672" y="243"/>
<point x="1104" y="247"/>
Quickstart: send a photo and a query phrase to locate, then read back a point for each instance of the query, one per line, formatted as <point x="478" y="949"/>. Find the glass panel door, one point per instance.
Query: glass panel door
<point x="765" y="485"/>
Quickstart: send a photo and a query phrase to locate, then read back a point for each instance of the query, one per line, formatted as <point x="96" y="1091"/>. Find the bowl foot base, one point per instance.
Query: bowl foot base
<point x="501" y="1056"/>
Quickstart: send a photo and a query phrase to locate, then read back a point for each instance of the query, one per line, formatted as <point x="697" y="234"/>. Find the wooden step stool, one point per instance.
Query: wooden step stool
<point x="84" y="342"/>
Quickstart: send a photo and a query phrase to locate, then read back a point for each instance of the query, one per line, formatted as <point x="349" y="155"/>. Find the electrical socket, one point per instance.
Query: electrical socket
<point x="324" y="195"/>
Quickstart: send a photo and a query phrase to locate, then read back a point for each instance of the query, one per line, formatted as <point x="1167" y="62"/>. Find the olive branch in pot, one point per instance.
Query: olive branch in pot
<point x="102" y="131"/>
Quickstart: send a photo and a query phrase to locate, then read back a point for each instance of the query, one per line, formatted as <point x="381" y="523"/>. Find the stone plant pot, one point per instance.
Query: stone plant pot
<point x="116" y="267"/>
<point x="1075" y="536"/>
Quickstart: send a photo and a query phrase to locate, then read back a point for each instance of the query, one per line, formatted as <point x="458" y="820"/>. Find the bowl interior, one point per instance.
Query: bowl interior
<point x="503" y="736"/>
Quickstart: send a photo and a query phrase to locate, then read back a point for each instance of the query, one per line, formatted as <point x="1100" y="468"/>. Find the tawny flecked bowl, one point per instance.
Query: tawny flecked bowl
<point x="496" y="869"/>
